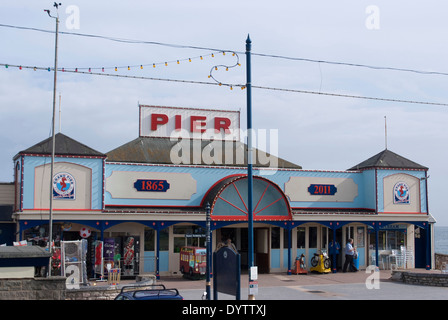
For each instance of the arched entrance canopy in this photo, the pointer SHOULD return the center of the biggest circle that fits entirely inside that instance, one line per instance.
(228, 200)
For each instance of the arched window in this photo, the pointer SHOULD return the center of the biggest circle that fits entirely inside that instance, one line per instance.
(229, 200)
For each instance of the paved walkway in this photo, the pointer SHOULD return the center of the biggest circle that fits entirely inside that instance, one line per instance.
(332, 286)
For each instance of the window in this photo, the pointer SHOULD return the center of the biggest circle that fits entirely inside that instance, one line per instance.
(324, 232)
(150, 239)
(275, 238)
(164, 237)
(312, 237)
(301, 238)
(178, 243)
(285, 238)
(195, 236)
(388, 240)
(360, 237)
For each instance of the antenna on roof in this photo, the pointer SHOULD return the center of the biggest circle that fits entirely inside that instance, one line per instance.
(385, 131)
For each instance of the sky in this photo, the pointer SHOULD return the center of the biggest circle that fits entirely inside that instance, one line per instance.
(316, 131)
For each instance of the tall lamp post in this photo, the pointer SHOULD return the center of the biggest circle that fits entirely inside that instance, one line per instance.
(50, 218)
(249, 167)
(208, 252)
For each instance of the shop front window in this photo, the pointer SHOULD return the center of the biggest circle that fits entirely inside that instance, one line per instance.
(190, 235)
(388, 239)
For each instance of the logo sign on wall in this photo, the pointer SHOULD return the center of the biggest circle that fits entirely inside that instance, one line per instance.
(401, 193)
(63, 186)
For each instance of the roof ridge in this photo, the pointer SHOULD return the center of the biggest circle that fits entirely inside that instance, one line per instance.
(388, 159)
(157, 150)
(64, 145)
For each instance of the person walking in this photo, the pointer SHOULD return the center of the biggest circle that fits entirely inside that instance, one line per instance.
(349, 253)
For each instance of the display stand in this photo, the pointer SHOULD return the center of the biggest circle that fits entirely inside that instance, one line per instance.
(114, 276)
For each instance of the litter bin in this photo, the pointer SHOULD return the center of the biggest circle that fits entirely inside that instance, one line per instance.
(356, 262)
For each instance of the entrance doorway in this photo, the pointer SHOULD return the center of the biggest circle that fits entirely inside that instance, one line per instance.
(341, 250)
(240, 237)
(261, 249)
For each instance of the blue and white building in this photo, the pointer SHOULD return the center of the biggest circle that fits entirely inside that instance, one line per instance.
(147, 198)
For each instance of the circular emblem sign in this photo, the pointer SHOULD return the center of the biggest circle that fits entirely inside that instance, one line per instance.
(401, 193)
(63, 186)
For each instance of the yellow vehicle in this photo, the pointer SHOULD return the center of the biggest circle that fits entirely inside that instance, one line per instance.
(321, 262)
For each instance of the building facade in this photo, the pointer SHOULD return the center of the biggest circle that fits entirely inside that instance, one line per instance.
(147, 198)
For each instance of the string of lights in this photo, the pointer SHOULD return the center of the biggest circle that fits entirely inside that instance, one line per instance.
(20, 67)
(122, 40)
(215, 68)
(155, 64)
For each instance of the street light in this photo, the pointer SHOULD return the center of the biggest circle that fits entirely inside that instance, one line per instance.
(208, 251)
(50, 218)
(249, 168)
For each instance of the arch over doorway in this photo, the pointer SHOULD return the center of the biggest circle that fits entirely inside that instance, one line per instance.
(228, 200)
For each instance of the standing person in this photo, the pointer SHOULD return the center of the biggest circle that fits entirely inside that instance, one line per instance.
(231, 245)
(349, 252)
(334, 253)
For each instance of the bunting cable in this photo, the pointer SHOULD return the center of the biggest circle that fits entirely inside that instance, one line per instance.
(236, 85)
(221, 50)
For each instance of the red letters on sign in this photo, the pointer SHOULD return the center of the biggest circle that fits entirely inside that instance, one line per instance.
(197, 123)
(222, 123)
(178, 120)
(157, 119)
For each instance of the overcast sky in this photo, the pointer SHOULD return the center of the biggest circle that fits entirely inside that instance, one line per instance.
(316, 131)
